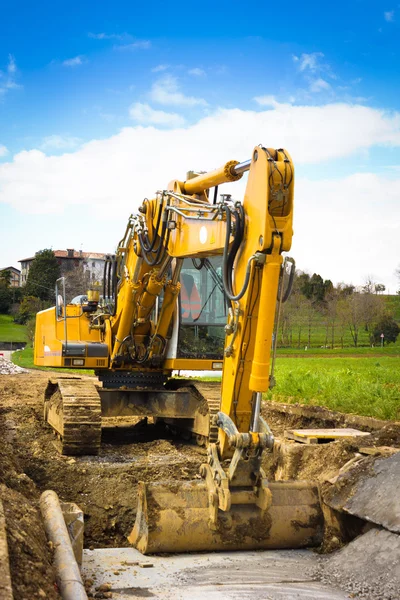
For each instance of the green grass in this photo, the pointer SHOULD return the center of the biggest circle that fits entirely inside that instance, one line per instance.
(24, 358)
(366, 351)
(10, 331)
(363, 386)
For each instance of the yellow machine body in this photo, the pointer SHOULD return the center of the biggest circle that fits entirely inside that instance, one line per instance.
(130, 337)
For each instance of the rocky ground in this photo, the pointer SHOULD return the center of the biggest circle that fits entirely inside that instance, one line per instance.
(105, 486)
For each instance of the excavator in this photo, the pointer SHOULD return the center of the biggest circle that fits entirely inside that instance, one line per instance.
(197, 283)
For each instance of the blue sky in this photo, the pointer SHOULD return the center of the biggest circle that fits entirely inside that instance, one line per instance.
(102, 103)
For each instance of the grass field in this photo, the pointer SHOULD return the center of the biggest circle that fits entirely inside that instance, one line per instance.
(358, 382)
(362, 385)
(24, 358)
(10, 331)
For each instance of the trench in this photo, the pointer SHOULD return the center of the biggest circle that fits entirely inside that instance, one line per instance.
(105, 486)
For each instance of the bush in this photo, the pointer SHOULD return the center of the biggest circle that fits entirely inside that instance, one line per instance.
(28, 308)
(388, 326)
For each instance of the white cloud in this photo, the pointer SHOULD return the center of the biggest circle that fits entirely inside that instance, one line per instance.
(362, 209)
(137, 45)
(197, 72)
(309, 61)
(3, 151)
(389, 16)
(319, 85)
(74, 62)
(8, 78)
(59, 142)
(159, 68)
(145, 115)
(267, 100)
(167, 91)
(11, 67)
(107, 36)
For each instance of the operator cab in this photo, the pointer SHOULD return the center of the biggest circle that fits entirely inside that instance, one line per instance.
(203, 310)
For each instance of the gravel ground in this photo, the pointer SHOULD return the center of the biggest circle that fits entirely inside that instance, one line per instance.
(8, 368)
(368, 568)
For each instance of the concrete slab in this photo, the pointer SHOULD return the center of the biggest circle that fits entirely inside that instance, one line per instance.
(263, 575)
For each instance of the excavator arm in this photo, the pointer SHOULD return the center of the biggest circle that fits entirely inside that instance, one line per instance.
(234, 506)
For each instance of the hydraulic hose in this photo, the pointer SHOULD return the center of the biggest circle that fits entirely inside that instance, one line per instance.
(229, 256)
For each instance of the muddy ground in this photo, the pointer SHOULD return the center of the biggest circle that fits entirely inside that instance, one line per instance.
(105, 486)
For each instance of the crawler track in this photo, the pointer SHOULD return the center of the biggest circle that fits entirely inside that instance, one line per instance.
(73, 408)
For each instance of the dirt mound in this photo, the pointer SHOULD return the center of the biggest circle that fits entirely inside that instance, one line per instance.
(369, 567)
(32, 574)
(104, 486)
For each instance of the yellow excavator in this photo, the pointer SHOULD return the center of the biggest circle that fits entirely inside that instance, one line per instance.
(196, 284)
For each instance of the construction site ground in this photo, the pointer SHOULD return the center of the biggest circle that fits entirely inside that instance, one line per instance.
(362, 561)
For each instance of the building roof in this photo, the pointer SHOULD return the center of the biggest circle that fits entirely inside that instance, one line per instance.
(9, 269)
(76, 254)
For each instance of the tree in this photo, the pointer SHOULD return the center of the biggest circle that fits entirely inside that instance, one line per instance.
(390, 329)
(77, 282)
(314, 288)
(5, 297)
(5, 277)
(42, 276)
(29, 306)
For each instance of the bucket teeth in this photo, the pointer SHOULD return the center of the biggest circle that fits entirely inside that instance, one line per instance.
(175, 517)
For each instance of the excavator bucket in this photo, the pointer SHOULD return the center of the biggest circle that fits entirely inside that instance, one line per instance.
(175, 517)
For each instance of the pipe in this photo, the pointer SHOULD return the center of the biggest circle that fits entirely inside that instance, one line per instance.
(241, 168)
(256, 412)
(68, 576)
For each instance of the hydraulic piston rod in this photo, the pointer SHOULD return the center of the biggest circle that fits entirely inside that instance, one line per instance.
(231, 171)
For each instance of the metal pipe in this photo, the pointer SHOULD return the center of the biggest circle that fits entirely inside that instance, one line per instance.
(177, 270)
(163, 267)
(68, 576)
(256, 412)
(241, 168)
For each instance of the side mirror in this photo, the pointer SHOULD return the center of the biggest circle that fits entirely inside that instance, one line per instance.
(59, 305)
(60, 298)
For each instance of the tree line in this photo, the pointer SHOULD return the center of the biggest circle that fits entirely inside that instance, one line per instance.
(321, 314)
(316, 314)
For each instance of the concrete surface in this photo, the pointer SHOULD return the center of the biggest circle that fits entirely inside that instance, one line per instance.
(263, 575)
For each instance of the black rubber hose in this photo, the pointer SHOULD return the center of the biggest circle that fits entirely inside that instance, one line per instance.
(162, 247)
(229, 256)
(145, 240)
(114, 285)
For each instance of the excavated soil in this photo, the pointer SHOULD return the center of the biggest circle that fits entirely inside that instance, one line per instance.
(105, 486)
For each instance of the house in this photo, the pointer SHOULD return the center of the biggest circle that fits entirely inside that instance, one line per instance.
(70, 259)
(15, 275)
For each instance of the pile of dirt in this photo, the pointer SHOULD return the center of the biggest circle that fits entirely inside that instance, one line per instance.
(32, 574)
(104, 486)
(8, 368)
(368, 567)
